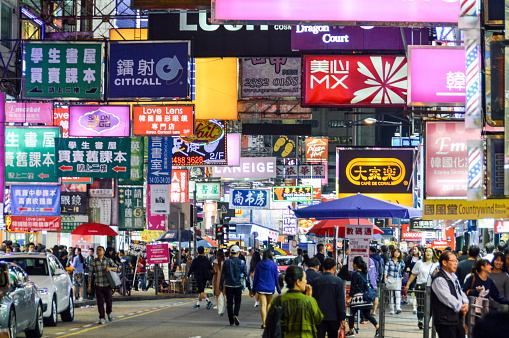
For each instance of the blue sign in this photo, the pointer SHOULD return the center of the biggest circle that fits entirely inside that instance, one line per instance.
(149, 70)
(388, 231)
(249, 199)
(29, 200)
(159, 160)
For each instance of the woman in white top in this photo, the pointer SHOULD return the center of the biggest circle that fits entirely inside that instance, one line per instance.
(423, 270)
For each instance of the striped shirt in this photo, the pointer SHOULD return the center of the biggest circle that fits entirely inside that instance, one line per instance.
(394, 269)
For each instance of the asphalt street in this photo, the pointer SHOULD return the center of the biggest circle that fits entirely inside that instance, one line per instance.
(160, 318)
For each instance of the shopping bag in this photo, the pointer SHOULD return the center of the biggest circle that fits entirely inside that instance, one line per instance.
(113, 278)
(342, 332)
(221, 305)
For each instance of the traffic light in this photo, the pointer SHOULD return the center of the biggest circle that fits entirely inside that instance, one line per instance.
(198, 212)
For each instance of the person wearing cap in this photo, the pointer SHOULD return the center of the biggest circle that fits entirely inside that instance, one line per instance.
(234, 270)
(312, 272)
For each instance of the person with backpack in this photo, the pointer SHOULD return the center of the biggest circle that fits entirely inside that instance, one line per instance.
(298, 260)
(379, 274)
(202, 270)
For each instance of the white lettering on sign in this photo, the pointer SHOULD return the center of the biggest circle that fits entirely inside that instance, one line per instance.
(204, 25)
(312, 29)
(250, 167)
(446, 146)
(327, 38)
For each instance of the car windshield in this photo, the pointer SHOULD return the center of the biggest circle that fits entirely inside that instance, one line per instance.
(32, 266)
(284, 261)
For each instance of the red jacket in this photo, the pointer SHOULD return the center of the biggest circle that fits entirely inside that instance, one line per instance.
(142, 266)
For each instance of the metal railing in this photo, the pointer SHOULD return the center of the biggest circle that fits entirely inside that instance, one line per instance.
(477, 308)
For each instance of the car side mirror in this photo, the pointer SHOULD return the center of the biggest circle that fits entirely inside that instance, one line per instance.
(59, 272)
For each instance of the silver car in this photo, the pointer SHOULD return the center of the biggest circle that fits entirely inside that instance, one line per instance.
(21, 306)
(53, 282)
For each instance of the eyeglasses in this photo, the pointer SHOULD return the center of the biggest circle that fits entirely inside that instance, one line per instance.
(450, 260)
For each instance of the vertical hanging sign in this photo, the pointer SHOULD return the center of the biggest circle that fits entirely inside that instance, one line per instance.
(131, 215)
(159, 160)
(136, 174)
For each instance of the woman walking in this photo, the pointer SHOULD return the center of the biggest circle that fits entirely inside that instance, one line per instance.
(359, 285)
(393, 277)
(300, 313)
(265, 282)
(252, 268)
(218, 268)
(480, 281)
(414, 256)
(501, 279)
(421, 274)
(78, 265)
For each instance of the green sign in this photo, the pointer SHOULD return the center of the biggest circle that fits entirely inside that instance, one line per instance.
(136, 175)
(208, 191)
(71, 222)
(30, 154)
(292, 194)
(131, 214)
(63, 70)
(93, 157)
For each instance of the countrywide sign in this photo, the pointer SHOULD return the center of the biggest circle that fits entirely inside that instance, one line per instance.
(99, 121)
(354, 80)
(436, 76)
(278, 11)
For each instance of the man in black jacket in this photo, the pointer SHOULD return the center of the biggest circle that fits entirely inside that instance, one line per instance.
(320, 255)
(312, 272)
(449, 304)
(202, 271)
(329, 294)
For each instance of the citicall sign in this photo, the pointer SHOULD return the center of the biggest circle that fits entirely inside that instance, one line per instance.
(407, 235)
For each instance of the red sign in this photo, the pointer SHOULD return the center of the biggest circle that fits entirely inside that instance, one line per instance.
(163, 120)
(440, 245)
(317, 194)
(317, 149)
(61, 119)
(29, 223)
(179, 191)
(158, 254)
(446, 158)
(78, 180)
(501, 227)
(409, 235)
(355, 80)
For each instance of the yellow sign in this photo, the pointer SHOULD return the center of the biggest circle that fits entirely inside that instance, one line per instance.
(403, 199)
(150, 235)
(461, 209)
(128, 34)
(376, 171)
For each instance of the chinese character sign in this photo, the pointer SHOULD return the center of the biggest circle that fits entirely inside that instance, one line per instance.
(61, 119)
(98, 121)
(179, 191)
(354, 80)
(30, 154)
(163, 120)
(159, 199)
(71, 222)
(159, 160)
(154, 221)
(437, 76)
(446, 158)
(190, 153)
(249, 199)
(158, 254)
(94, 157)
(28, 112)
(136, 176)
(28, 200)
(100, 210)
(270, 77)
(73, 203)
(317, 149)
(290, 223)
(293, 194)
(208, 191)
(63, 70)
(149, 70)
(28, 224)
(131, 215)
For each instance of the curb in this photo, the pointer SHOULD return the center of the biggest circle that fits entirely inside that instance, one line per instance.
(136, 298)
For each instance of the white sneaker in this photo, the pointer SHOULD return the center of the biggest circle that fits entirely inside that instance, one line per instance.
(80, 299)
(256, 304)
(415, 311)
(392, 312)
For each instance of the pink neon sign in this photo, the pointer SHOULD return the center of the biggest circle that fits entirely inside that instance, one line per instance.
(273, 11)
(436, 76)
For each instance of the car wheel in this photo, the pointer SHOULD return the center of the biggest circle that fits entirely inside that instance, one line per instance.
(68, 315)
(39, 325)
(53, 319)
(13, 330)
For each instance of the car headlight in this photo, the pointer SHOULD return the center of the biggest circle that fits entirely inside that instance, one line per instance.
(43, 291)
(4, 306)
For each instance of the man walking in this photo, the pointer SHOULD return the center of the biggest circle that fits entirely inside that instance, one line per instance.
(312, 272)
(88, 277)
(234, 270)
(465, 266)
(449, 304)
(298, 260)
(98, 275)
(202, 270)
(320, 255)
(329, 294)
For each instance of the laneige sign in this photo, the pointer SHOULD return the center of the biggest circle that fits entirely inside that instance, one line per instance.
(250, 167)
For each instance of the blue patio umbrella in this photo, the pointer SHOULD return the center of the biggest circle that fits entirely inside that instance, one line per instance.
(358, 206)
(172, 236)
(199, 243)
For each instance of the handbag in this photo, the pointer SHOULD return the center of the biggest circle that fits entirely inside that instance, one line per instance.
(342, 332)
(273, 321)
(221, 305)
(358, 303)
(370, 294)
(113, 278)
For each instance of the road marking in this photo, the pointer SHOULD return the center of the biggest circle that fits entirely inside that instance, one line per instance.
(139, 312)
(121, 316)
(133, 316)
(87, 325)
(74, 329)
(132, 313)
